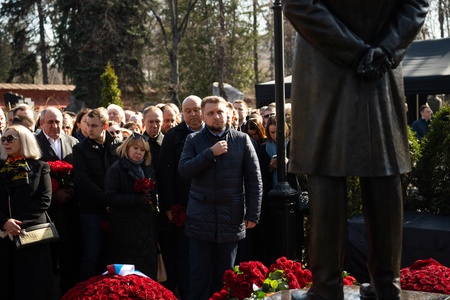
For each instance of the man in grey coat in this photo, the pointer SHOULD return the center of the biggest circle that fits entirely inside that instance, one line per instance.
(348, 102)
(218, 161)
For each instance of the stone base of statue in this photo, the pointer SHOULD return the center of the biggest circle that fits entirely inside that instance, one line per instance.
(352, 293)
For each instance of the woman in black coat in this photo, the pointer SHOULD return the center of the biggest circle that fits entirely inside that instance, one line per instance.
(25, 195)
(268, 164)
(132, 206)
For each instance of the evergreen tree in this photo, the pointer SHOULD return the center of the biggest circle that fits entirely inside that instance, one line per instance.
(110, 89)
(433, 168)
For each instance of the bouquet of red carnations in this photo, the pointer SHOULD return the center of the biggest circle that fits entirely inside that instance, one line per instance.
(61, 174)
(178, 214)
(252, 280)
(147, 186)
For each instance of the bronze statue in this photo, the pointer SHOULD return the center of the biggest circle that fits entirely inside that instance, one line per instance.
(348, 99)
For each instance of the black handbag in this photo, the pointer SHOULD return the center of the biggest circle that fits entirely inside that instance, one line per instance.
(36, 234)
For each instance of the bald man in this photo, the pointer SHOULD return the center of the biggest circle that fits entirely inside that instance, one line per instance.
(173, 242)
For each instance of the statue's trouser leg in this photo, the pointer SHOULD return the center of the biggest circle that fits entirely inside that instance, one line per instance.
(383, 213)
(328, 201)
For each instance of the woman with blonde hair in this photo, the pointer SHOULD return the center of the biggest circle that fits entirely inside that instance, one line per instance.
(131, 196)
(25, 195)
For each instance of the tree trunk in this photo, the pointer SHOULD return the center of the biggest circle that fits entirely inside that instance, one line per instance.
(42, 44)
(255, 40)
(221, 50)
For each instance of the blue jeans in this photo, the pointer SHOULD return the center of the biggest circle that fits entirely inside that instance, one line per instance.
(208, 262)
(94, 248)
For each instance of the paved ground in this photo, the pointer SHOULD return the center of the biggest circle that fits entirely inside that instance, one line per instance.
(352, 293)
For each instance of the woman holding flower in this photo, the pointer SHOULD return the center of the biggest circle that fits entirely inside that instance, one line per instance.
(131, 196)
(25, 195)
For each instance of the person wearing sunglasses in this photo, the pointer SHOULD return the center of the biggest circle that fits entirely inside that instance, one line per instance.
(67, 123)
(131, 196)
(25, 195)
(269, 112)
(114, 129)
(91, 159)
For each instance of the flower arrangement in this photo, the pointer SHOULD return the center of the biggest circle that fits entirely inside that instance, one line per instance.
(147, 186)
(178, 214)
(239, 282)
(426, 275)
(253, 280)
(61, 174)
(133, 285)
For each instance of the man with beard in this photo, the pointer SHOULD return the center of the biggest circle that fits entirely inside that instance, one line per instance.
(218, 161)
(172, 240)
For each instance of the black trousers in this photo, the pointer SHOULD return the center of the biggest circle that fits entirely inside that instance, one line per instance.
(383, 212)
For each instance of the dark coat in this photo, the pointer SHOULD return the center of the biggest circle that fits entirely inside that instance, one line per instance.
(155, 146)
(28, 204)
(66, 215)
(345, 124)
(90, 165)
(218, 203)
(48, 154)
(172, 188)
(133, 226)
(420, 127)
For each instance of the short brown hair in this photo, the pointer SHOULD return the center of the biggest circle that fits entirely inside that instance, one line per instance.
(101, 114)
(212, 99)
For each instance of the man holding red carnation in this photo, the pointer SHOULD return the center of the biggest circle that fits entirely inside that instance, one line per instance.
(55, 145)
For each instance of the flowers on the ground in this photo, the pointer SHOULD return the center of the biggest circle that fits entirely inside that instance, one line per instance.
(110, 286)
(178, 214)
(61, 174)
(238, 283)
(348, 280)
(147, 186)
(426, 275)
(253, 280)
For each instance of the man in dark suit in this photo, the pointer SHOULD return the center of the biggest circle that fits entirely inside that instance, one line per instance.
(55, 145)
(173, 190)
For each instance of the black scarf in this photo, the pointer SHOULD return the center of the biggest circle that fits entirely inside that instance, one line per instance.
(134, 168)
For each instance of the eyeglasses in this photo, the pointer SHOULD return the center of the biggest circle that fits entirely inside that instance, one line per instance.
(10, 138)
(268, 116)
(136, 135)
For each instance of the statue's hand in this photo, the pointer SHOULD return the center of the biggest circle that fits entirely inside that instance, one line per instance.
(374, 64)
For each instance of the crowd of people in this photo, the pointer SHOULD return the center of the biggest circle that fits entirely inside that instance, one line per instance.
(190, 184)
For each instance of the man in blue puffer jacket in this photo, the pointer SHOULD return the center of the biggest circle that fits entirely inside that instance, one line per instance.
(218, 160)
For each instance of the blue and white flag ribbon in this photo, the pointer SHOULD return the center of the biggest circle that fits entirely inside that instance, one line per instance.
(123, 270)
